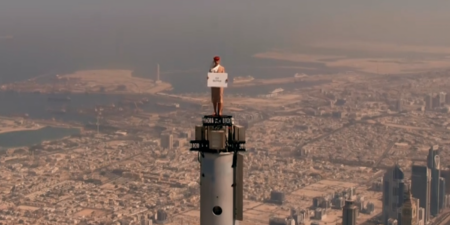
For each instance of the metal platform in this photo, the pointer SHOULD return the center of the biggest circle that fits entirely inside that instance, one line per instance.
(218, 120)
(231, 146)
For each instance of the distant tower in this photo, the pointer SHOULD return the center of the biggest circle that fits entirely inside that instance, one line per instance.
(421, 188)
(442, 98)
(429, 102)
(393, 188)
(143, 220)
(409, 209)
(442, 197)
(349, 213)
(433, 163)
(157, 73)
(98, 123)
(399, 104)
(167, 141)
(161, 217)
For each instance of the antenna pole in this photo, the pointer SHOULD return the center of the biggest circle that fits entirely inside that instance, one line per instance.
(157, 72)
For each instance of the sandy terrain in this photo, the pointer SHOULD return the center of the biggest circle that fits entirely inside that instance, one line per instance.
(90, 213)
(276, 101)
(259, 82)
(14, 129)
(378, 47)
(89, 81)
(375, 61)
(114, 81)
(236, 102)
(27, 208)
(293, 57)
(8, 125)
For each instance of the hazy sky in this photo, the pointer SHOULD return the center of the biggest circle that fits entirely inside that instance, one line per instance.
(94, 32)
(276, 22)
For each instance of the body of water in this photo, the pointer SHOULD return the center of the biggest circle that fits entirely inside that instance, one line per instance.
(28, 56)
(195, 81)
(38, 106)
(32, 137)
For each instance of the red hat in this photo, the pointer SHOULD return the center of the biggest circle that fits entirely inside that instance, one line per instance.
(216, 58)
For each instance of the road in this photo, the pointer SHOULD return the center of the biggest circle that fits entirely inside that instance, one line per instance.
(385, 153)
(345, 126)
(415, 128)
(444, 219)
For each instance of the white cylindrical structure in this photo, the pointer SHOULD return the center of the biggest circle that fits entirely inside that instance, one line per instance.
(216, 190)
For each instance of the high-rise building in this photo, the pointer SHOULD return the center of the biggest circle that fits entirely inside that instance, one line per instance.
(436, 101)
(392, 222)
(300, 217)
(399, 105)
(393, 191)
(167, 141)
(442, 98)
(161, 217)
(277, 197)
(278, 221)
(144, 220)
(433, 163)
(417, 202)
(421, 216)
(421, 187)
(446, 175)
(429, 102)
(349, 213)
(409, 210)
(442, 197)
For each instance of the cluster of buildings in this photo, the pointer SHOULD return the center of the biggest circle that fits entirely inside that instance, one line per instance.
(345, 201)
(437, 101)
(315, 156)
(98, 178)
(415, 201)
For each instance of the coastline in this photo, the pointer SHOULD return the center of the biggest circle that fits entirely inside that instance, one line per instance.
(18, 129)
(108, 82)
(11, 140)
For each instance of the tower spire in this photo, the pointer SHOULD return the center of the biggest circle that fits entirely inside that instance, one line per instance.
(157, 72)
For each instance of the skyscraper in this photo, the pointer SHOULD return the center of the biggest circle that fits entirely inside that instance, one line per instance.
(278, 221)
(429, 102)
(349, 213)
(442, 98)
(144, 220)
(409, 209)
(167, 141)
(392, 222)
(442, 199)
(421, 187)
(433, 163)
(399, 105)
(446, 175)
(393, 190)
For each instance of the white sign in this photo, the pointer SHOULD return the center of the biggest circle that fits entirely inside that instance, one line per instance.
(217, 79)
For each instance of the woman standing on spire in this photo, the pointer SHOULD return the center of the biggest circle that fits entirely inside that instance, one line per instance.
(217, 92)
